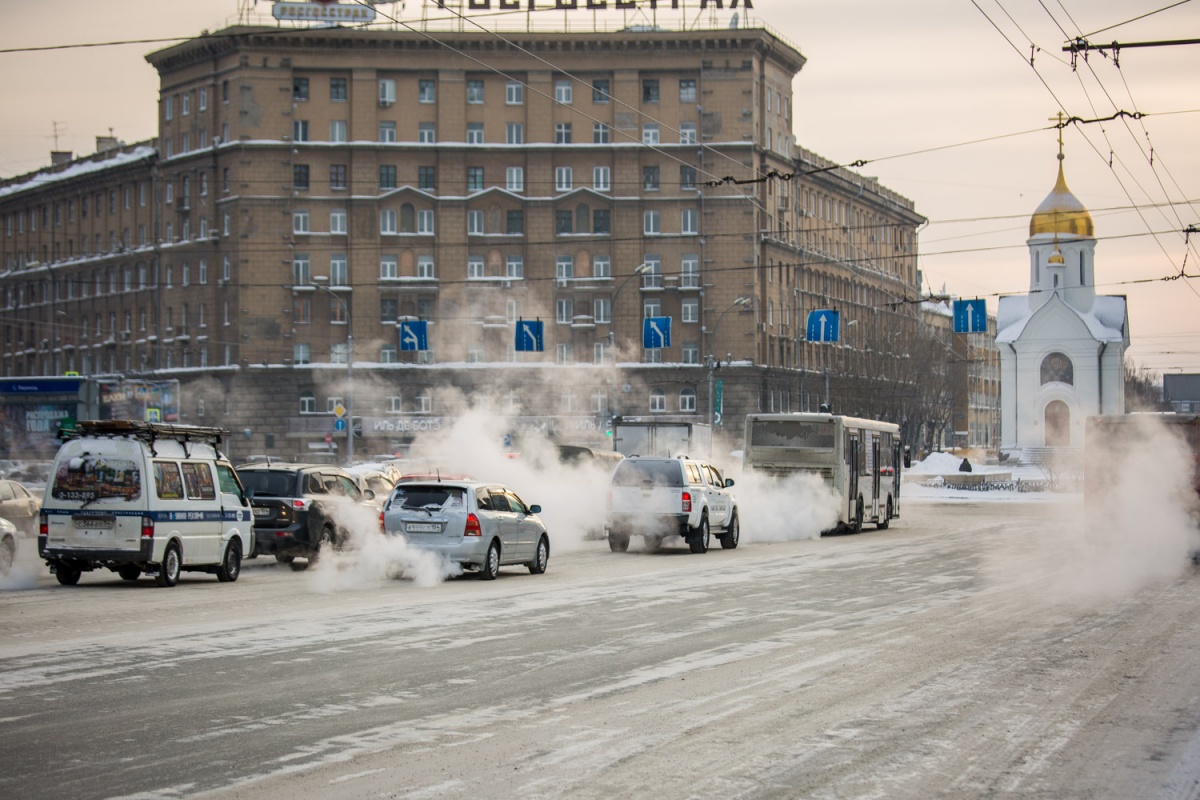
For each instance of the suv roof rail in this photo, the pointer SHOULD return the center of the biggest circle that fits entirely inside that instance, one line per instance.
(146, 431)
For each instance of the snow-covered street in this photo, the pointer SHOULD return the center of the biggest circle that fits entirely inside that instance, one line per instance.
(975, 649)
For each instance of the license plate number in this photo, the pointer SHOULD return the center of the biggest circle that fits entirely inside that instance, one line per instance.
(262, 512)
(422, 527)
(93, 524)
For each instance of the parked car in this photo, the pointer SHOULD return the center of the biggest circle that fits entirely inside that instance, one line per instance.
(8, 545)
(378, 481)
(657, 498)
(19, 506)
(482, 526)
(302, 509)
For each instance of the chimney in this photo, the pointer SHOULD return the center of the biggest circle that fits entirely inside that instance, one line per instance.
(105, 143)
(60, 157)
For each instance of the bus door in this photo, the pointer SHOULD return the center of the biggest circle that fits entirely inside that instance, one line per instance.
(852, 469)
(897, 463)
(876, 464)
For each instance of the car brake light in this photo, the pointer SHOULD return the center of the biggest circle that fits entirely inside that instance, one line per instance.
(301, 503)
(382, 527)
(147, 528)
(687, 502)
(43, 525)
(473, 528)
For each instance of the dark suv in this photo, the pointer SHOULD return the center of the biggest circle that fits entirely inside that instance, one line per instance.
(300, 509)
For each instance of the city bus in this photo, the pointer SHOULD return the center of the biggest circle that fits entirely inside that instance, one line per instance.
(858, 458)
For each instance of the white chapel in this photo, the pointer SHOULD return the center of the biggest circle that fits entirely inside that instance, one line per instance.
(1062, 346)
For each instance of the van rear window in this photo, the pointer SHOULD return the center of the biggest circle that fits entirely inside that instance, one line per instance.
(90, 478)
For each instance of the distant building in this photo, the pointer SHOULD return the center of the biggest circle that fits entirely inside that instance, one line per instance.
(1182, 392)
(1062, 346)
(309, 189)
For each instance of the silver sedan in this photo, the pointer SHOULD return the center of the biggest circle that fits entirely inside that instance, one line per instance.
(482, 526)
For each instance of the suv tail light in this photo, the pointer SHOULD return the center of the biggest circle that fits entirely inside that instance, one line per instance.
(687, 502)
(147, 528)
(301, 503)
(473, 528)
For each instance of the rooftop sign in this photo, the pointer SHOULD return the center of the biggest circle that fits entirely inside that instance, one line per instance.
(323, 12)
(591, 5)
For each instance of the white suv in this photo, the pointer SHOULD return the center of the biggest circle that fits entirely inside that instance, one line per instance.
(660, 497)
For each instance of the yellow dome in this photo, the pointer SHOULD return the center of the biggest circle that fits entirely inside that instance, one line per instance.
(1061, 212)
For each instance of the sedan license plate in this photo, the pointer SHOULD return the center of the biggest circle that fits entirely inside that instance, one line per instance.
(94, 523)
(422, 527)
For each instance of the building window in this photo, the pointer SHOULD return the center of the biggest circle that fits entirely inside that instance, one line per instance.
(300, 176)
(689, 269)
(514, 133)
(475, 267)
(387, 355)
(514, 93)
(602, 266)
(301, 310)
(563, 310)
(600, 90)
(299, 130)
(474, 222)
(689, 221)
(337, 130)
(474, 133)
(687, 133)
(562, 133)
(425, 221)
(514, 179)
(300, 221)
(1057, 368)
(302, 354)
(650, 91)
(427, 178)
(650, 133)
(602, 310)
(658, 400)
(388, 269)
(650, 182)
(562, 92)
(687, 177)
(515, 222)
(339, 273)
(514, 267)
(425, 267)
(308, 401)
(168, 109)
(687, 90)
(426, 91)
(563, 179)
(690, 310)
(387, 92)
(300, 89)
(601, 178)
(337, 89)
(564, 267)
(387, 131)
(337, 176)
(475, 92)
(601, 221)
(600, 133)
(474, 179)
(389, 309)
(387, 176)
(563, 222)
(301, 271)
(687, 400)
(387, 220)
(426, 133)
(337, 220)
(651, 223)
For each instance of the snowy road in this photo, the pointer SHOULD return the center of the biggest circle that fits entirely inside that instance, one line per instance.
(969, 651)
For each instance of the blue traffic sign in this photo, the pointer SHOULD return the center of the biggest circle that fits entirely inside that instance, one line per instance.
(656, 333)
(414, 335)
(823, 326)
(339, 424)
(970, 316)
(529, 336)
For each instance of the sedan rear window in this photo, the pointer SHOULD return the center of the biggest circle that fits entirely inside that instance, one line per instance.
(632, 472)
(428, 497)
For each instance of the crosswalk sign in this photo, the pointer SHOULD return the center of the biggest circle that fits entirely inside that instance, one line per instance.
(414, 335)
(823, 325)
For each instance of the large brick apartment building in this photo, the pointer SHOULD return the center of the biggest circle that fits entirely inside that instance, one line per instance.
(310, 188)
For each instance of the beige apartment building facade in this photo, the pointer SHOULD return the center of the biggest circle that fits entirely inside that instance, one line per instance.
(309, 190)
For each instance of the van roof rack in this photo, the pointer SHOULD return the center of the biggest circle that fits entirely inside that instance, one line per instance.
(146, 431)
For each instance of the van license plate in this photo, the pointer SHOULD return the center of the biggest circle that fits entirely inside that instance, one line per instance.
(93, 523)
(422, 527)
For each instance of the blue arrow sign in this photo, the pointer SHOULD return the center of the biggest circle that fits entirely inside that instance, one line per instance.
(414, 335)
(339, 424)
(970, 316)
(656, 333)
(529, 336)
(823, 326)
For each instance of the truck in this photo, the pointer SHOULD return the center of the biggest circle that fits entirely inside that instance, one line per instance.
(665, 436)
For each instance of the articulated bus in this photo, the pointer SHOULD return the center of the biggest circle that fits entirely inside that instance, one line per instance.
(858, 458)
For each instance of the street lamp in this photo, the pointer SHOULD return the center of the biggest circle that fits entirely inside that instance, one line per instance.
(640, 269)
(709, 360)
(321, 282)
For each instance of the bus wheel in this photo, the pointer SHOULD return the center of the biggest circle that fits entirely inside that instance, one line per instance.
(883, 523)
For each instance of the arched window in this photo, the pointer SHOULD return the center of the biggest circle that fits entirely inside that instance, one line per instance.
(687, 400)
(1057, 368)
(658, 400)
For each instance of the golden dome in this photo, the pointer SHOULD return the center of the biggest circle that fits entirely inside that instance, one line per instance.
(1061, 212)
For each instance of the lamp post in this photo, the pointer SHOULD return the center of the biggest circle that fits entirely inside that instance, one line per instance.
(321, 282)
(640, 269)
(709, 360)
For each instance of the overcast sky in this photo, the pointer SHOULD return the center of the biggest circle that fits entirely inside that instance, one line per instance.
(907, 85)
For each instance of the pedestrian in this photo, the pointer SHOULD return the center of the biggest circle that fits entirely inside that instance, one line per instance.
(965, 466)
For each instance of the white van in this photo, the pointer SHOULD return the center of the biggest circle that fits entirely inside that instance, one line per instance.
(139, 497)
